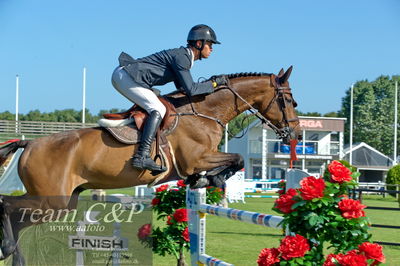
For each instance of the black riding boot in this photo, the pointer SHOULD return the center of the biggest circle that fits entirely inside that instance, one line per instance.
(142, 159)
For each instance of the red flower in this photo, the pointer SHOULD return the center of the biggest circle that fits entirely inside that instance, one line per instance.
(293, 247)
(144, 232)
(339, 172)
(285, 201)
(155, 201)
(332, 259)
(185, 234)
(372, 251)
(268, 256)
(351, 208)
(312, 188)
(162, 188)
(181, 215)
(169, 220)
(181, 183)
(353, 259)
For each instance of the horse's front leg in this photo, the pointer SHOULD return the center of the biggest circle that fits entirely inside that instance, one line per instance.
(221, 167)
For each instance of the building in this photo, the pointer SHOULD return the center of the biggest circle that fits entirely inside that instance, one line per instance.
(371, 163)
(266, 157)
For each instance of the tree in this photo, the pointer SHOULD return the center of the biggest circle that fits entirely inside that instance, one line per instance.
(373, 113)
(315, 114)
(236, 125)
(331, 114)
(7, 116)
(393, 178)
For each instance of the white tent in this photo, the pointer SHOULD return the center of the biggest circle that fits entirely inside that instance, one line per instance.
(10, 180)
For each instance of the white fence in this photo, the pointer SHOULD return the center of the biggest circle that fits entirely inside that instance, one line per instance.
(36, 128)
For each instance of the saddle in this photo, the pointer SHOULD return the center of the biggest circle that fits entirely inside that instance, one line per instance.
(129, 124)
(140, 115)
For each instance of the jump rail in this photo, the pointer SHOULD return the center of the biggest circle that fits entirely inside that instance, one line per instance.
(197, 210)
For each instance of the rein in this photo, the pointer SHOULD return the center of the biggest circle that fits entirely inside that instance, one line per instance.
(282, 133)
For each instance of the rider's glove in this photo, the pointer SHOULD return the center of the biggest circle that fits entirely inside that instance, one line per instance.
(219, 81)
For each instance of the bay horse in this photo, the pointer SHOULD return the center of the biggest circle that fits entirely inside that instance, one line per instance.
(66, 163)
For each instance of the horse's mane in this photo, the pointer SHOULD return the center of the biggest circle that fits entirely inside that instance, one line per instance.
(178, 98)
(240, 75)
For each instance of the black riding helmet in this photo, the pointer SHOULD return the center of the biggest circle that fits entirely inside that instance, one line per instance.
(201, 33)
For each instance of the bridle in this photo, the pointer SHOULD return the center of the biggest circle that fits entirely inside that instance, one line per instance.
(279, 96)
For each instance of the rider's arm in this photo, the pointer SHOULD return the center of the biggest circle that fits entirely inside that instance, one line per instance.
(181, 68)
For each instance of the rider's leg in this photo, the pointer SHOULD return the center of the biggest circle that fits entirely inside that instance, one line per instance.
(142, 159)
(146, 99)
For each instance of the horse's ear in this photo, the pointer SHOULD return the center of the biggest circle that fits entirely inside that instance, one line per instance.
(281, 73)
(286, 76)
(273, 80)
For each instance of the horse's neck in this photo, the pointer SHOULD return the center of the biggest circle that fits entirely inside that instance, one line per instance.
(225, 105)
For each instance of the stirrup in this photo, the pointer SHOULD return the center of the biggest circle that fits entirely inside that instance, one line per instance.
(146, 163)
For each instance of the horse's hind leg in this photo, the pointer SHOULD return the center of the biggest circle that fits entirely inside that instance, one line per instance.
(9, 238)
(16, 214)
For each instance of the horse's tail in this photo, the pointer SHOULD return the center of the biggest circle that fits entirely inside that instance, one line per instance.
(9, 149)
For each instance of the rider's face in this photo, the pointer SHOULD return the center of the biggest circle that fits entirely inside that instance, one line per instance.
(206, 52)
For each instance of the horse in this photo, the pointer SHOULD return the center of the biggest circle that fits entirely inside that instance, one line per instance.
(64, 164)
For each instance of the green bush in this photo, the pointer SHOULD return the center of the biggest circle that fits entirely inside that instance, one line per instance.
(17, 193)
(393, 177)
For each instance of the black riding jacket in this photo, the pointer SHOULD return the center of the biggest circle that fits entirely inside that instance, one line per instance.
(163, 67)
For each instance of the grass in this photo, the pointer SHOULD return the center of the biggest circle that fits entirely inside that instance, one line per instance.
(240, 243)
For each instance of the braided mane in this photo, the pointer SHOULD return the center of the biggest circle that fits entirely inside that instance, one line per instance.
(240, 75)
(247, 74)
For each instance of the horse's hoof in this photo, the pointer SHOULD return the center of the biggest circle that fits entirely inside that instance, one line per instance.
(18, 260)
(217, 181)
(7, 248)
(200, 183)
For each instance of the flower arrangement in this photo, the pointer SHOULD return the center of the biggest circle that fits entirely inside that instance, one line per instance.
(169, 204)
(318, 213)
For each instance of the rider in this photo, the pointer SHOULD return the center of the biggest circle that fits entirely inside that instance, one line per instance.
(134, 78)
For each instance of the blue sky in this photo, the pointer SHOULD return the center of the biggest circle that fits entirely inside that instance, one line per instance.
(331, 45)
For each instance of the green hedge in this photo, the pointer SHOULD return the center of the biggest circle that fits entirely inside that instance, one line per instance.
(393, 177)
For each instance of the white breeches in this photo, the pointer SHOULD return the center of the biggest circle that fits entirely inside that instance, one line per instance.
(143, 97)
